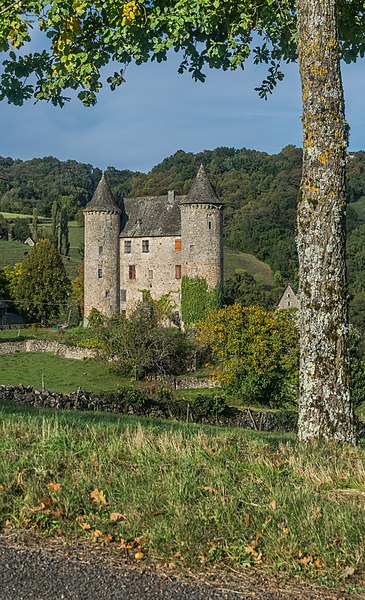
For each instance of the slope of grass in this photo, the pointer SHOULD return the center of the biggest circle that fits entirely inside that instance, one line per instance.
(12, 251)
(238, 260)
(359, 207)
(190, 494)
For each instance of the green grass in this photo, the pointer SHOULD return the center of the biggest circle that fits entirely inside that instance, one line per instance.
(359, 207)
(193, 494)
(238, 260)
(12, 251)
(58, 374)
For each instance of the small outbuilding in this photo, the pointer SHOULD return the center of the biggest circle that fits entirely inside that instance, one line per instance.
(288, 299)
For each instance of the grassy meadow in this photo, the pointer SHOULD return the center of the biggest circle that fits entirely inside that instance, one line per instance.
(190, 494)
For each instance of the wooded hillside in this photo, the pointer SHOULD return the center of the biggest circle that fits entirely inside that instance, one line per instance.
(259, 191)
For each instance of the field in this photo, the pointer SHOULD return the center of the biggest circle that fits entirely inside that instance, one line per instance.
(12, 251)
(189, 494)
(238, 260)
(58, 374)
(359, 207)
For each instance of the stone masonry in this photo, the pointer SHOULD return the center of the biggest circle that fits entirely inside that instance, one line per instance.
(148, 244)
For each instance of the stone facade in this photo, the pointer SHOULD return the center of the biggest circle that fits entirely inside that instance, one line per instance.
(148, 244)
(288, 299)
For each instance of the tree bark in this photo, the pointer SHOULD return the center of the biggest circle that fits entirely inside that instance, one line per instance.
(325, 409)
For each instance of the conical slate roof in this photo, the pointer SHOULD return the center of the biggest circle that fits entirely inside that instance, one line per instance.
(201, 191)
(102, 199)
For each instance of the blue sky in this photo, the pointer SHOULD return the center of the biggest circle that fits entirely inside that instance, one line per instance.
(157, 112)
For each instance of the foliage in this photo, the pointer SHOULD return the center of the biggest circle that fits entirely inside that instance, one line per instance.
(77, 286)
(242, 288)
(143, 346)
(197, 300)
(255, 352)
(42, 286)
(95, 318)
(4, 231)
(20, 230)
(86, 35)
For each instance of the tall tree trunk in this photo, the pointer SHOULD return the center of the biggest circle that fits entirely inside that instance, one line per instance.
(325, 410)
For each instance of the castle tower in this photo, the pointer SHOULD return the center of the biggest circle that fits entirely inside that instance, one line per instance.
(202, 232)
(101, 271)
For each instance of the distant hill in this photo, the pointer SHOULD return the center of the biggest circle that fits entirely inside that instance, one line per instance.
(259, 191)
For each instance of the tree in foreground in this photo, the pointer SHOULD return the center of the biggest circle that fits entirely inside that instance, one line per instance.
(42, 286)
(85, 35)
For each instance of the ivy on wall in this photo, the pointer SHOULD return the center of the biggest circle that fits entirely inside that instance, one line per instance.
(197, 300)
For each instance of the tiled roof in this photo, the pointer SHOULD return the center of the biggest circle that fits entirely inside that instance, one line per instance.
(102, 199)
(201, 191)
(151, 216)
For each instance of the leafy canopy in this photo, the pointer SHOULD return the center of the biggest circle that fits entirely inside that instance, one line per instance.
(82, 36)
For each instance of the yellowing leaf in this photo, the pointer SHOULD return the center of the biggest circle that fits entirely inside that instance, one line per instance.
(272, 505)
(139, 555)
(116, 516)
(54, 487)
(96, 535)
(98, 497)
(318, 562)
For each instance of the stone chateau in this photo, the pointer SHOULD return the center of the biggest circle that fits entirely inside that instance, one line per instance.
(150, 243)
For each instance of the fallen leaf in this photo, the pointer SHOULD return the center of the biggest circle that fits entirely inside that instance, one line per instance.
(116, 516)
(139, 555)
(247, 519)
(318, 562)
(54, 487)
(84, 525)
(107, 538)
(46, 502)
(272, 505)
(98, 497)
(349, 571)
(318, 512)
(209, 490)
(96, 534)
(20, 478)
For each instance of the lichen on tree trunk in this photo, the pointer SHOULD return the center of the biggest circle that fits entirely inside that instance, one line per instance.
(325, 409)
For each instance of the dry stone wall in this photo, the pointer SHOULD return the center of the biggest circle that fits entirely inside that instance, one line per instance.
(45, 346)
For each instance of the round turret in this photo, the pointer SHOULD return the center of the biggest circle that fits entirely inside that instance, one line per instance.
(101, 253)
(202, 232)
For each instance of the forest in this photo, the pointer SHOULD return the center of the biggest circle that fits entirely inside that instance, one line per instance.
(259, 192)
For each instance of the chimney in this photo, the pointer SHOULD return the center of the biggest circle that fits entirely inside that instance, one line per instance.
(171, 196)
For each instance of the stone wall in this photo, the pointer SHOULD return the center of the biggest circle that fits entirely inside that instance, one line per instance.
(154, 270)
(183, 410)
(45, 346)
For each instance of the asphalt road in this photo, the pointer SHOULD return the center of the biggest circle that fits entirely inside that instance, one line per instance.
(46, 571)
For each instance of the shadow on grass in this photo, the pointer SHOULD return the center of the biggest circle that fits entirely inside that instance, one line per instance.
(75, 419)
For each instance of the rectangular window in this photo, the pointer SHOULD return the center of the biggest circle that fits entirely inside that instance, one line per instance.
(178, 245)
(107, 294)
(100, 273)
(127, 246)
(191, 248)
(209, 224)
(132, 271)
(150, 274)
(123, 295)
(100, 251)
(177, 271)
(145, 246)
